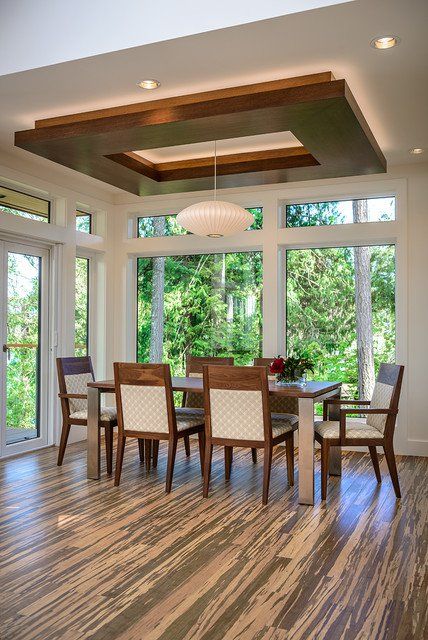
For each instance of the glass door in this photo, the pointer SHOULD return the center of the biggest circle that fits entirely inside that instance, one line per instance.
(24, 339)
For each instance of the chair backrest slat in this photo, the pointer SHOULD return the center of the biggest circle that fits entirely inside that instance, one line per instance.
(237, 403)
(194, 368)
(278, 404)
(386, 395)
(144, 397)
(73, 376)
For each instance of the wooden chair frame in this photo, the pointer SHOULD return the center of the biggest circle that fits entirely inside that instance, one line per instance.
(247, 379)
(151, 375)
(194, 364)
(75, 366)
(390, 374)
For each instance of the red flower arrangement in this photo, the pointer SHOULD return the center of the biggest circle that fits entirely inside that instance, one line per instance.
(290, 369)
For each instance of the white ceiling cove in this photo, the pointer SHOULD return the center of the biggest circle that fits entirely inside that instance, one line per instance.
(282, 140)
(390, 86)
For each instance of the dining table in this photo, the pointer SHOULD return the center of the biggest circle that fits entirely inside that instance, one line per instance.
(309, 394)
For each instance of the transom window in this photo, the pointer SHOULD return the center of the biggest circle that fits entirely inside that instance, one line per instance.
(24, 205)
(313, 214)
(159, 226)
(83, 221)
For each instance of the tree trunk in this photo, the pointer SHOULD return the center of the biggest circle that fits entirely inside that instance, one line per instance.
(158, 290)
(363, 308)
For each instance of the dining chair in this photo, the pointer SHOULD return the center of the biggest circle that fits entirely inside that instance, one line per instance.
(194, 366)
(73, 376)
(145, 409)
(237, 414)
(376, 431)
(277, 403)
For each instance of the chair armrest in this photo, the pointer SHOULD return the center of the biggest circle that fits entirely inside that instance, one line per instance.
(345, 401)
(339, 401)
(345, 412)
(73, 395)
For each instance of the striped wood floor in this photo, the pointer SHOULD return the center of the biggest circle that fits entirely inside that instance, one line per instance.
(81, 559)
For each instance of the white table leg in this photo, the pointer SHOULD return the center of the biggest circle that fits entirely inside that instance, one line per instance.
(93, 441)
(335, 457)
(306, 451)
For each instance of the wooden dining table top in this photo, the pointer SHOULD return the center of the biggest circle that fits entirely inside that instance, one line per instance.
(312, 389)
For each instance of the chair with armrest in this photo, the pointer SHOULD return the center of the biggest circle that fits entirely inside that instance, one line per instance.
(145, 410)
(194, 366)
(376, 431)
(237, 414)
(73, 377)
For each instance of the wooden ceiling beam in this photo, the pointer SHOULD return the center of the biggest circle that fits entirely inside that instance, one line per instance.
(320, 111)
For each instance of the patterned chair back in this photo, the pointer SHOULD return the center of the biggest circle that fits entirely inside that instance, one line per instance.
(73, 376)
(278, 404)
(194, 366)
(386, 395)
(237, 403)
(144, 397)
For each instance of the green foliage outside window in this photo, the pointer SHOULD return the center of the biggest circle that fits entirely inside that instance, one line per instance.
(24, 214)
(146, 227)
(212, 307)
(23, 283)
(81, 313)
(321, 314)
(83, 222)
(315, 214)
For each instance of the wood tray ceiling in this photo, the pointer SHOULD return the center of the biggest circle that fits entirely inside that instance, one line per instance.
(319, 110)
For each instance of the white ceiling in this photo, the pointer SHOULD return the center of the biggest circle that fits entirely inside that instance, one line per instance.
(390, 86)
(59, 31)
(282, 140)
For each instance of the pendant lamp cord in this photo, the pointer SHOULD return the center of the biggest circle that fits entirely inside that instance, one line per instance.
(215, 169)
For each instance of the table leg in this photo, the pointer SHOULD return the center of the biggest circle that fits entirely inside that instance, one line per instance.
(306, 451)
(335, 457)
(93, 441)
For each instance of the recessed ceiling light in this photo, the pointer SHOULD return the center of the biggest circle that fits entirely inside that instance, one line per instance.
(385, 42)
(148, 84)
(416, 151)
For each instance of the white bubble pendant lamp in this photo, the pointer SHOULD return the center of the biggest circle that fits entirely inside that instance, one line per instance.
(215, 218)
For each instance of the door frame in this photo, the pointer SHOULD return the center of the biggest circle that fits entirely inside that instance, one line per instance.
(43, 440)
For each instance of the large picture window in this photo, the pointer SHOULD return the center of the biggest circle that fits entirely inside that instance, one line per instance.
(341, 311)
(204, 305)
(81, 316)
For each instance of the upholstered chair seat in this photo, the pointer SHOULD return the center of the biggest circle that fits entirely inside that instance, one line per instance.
(188, 417)
(330, 429)
(283, 423)
(107, 414)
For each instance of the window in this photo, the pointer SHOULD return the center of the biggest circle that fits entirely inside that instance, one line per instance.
(204, 305)
(24, 205)
(341, 312)
(258, 218)
(81, 313)
(83, 221)
(313, 214)
(157, 226)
